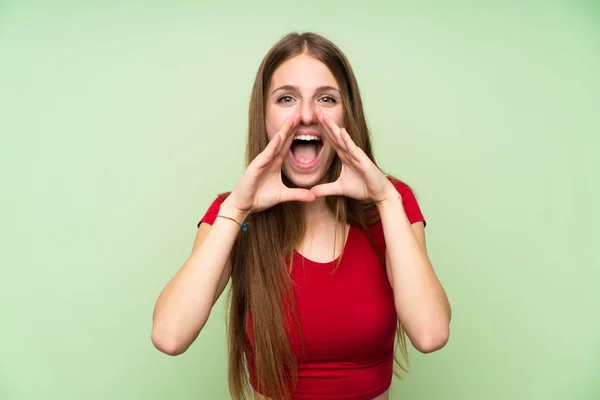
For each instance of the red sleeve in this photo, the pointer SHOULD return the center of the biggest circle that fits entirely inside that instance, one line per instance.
(211, 214)
(411, 206)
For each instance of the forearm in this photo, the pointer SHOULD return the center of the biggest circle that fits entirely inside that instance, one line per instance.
(420, 300)
(184, 305)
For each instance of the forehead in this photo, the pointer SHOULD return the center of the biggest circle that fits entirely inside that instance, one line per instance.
(304, 72)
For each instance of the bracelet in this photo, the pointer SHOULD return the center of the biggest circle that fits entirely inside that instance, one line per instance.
(243, 225)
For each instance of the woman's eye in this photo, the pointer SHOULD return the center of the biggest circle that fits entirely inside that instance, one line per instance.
(328, 99)
(285, 99)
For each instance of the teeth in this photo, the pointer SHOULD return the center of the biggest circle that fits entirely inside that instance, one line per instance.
(306, 137)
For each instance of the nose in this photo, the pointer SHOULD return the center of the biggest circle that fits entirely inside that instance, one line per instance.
(308, 114)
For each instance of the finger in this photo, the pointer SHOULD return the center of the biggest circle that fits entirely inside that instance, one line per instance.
(287, 133)
(331, 140)
(334, 129)
(277, 143)
(328, 135)
(285, 146)
(304, 195)
(335, 143)
(289, 126)
(267, 155)
(327, 189)
(353, 150)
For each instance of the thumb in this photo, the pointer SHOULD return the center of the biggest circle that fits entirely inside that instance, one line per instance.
(297, 195)
(327, 189)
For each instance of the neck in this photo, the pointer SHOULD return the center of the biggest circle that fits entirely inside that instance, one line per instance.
(318, 216)
(316, 210)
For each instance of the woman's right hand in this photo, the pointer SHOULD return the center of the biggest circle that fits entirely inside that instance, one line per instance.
(261, 186)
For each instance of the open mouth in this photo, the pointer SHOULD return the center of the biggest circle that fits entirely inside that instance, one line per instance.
(305, 149)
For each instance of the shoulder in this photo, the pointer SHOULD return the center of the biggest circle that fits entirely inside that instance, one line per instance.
(401, 186)
(213, 209)
(409, 200)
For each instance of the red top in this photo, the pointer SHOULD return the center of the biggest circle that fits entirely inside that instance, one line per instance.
(348, 318)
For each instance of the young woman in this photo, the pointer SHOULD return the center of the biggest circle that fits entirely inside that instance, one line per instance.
(326, 254)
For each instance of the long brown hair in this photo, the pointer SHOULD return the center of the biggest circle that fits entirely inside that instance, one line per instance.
(261, 286)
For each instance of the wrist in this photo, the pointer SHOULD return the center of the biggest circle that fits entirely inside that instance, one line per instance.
(391, 198)
(230, 210)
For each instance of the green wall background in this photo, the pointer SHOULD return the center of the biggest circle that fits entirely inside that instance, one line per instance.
(121, 120)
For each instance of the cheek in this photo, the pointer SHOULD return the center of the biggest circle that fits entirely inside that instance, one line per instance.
(338, 117)
(270, 125)
(275, 118)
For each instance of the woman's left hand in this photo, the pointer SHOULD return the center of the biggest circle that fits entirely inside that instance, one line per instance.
(360, 178)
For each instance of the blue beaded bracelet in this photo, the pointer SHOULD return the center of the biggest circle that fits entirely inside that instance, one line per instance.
(243, 225)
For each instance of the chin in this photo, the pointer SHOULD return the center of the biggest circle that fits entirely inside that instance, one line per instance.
(298, 176)
(305, 181)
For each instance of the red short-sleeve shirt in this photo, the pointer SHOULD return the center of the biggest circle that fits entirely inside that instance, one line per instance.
(347, 318)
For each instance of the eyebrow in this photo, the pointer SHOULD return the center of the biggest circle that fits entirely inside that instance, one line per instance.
(295, 88)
